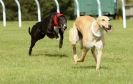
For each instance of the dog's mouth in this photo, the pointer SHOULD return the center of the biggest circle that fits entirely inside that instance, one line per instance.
(63, 28)
(109, 29)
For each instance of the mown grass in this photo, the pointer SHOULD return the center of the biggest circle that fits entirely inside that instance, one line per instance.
(48, 65)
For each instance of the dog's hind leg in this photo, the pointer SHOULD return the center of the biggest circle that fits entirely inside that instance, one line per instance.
(84, 52)
(31, 46)
(81, 44)
(75, 57)
(74, 38)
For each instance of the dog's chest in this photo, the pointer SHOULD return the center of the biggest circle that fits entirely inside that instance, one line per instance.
(95, 43)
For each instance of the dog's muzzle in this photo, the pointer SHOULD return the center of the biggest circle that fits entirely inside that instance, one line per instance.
(63, 28)
(108, 29)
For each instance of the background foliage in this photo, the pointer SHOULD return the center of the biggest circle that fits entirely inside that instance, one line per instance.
(29, 12)
(29, 8)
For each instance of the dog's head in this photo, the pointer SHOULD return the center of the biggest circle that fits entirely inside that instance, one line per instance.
(62, 23)
(104, 22)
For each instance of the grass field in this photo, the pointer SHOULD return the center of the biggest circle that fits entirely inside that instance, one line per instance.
(49, 66)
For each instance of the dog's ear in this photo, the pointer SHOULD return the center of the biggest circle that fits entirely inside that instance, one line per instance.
(98, 20)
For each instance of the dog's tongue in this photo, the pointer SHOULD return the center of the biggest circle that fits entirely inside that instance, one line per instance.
(109, 30)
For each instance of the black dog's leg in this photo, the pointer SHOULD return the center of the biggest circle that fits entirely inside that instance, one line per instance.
(61, 39)
(32, 45)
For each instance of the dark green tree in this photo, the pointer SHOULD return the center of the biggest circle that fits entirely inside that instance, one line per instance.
(29, 9)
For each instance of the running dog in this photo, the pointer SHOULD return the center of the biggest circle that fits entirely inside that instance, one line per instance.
(52, 25)
(90, 33)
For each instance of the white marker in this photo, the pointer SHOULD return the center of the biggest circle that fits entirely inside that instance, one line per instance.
(123, 14)
(77, 7)
(4, 13)
(19, 13)
(38, 10)
(57, 5)
(99, 8)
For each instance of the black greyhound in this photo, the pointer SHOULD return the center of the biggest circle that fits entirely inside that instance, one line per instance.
(51, 26)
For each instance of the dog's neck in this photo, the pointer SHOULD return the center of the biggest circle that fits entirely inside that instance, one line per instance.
(95, 29)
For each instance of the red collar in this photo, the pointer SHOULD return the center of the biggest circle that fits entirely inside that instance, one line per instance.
(55, 19)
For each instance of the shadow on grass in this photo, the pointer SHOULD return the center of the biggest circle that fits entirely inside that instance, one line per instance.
(89, 67)
(55, 55)
(51, 54)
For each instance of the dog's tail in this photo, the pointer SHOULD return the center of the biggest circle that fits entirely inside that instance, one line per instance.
(29, 31)
(73, 35)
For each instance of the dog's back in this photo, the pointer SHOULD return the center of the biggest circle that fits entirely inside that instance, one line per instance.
(82, 23)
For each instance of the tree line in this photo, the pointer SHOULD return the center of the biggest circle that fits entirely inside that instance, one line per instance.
(29, 9)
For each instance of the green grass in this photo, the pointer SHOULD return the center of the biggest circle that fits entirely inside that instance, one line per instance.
(49, 66)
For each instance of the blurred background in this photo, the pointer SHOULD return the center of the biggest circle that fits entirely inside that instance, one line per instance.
(87, 7)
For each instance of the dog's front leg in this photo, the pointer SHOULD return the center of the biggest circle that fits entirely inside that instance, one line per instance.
(99, 54)
(99, 47)
(61, 39)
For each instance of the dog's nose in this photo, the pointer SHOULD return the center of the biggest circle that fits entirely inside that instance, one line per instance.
(65, 27)
(110, 26)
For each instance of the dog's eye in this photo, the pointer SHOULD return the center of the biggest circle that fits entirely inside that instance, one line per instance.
(103, 20)
(109, 19)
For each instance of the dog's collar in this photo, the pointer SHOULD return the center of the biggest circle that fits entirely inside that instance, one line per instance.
(97, 34)
(55, 19)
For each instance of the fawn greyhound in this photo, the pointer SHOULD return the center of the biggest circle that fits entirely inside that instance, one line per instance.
(90, 33)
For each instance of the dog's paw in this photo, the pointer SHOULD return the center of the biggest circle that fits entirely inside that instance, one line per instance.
(97, 68)
(75, 59)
